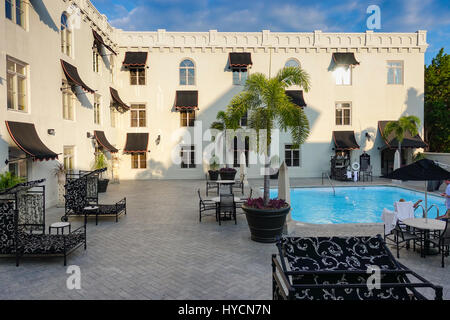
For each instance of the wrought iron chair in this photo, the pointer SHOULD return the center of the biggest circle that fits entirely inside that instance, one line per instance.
(400, 234)
(443, 242)
(211, 185)
(204, 206)
(226, 205)
(366, 173)
(239, 184)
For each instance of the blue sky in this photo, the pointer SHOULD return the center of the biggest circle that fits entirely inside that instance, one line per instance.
(282, 15)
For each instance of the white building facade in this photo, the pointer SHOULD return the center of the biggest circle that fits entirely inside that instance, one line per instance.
(67, 107)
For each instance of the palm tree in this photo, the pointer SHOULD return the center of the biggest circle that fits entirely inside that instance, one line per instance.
(400, 127)
(221, 125)
(267, 105)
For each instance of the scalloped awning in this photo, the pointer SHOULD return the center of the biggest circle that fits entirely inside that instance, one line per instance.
(136, 143)
(345, 58)
(240, 59)
(98, 41)
(186, 100)
(408, 141)
(73, 77)
(296, 97)
(345, 140)
(117, 101)
(135, 59)
(102, 141)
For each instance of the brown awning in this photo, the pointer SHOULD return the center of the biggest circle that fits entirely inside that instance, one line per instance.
(296, 97)
(102, 141)
(117, 102)
(73, 77)
(135, 59)
(186, 100)
(345, 140)
(26, 138)
(98, 41)
(408, 141)
(240, 59)
(344, 58)
(136, 143)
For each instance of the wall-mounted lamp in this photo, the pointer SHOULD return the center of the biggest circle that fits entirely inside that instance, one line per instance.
(51, 132)
(158, 139)
(368, 136)
(89, 135)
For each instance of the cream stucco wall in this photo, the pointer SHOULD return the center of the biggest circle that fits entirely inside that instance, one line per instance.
(39, 47)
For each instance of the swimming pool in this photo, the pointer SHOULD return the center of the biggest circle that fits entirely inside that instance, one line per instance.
(352, 204)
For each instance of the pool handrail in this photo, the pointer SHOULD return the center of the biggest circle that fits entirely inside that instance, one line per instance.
(428, 209)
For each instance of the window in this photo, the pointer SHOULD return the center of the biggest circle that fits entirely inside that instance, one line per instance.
(97, 110)
(187, 118)
(69, 159)
(137, 76)
(395, 72)
(17, 167)
(237, 151)
(187, 157)
(138, 115)
(113, 115)
(15, 11)
(9, 9)
(187, 73)
(343, 113)
(240, 76)
(291, 156)
(292, 63)
(139, 161)
(111, 67)
(16, 83)
(66, 35)
(343, 75)
(244, 120)
(67, 101)
(95, 61)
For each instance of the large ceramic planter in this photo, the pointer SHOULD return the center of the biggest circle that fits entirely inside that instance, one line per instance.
(266, 224)
(102, 185)
(213, 175)
(227, 175)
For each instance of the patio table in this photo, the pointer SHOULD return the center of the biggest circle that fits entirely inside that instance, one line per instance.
(217, 199)
(425, 225)
(226, 182)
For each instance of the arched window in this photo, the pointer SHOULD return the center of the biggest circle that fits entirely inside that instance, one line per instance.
(187, 73)
(66, 35)
(292, 63)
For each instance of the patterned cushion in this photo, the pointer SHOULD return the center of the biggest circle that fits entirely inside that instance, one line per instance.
(341, 254)
(48, 244)
(7, 225)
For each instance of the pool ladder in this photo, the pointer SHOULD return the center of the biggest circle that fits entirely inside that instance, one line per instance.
(429, 208)
(329, 180)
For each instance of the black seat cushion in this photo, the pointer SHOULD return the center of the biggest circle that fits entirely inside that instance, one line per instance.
(48, 243)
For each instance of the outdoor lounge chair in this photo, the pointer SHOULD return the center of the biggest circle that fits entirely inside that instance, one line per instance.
(226, 206)
(336, 268)
(443, 242)
(29, 239)
(205, 206)
(79, 197)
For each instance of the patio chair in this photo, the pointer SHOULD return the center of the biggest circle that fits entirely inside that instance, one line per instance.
(401, 235)
(239, 184)
(205, 206)
(226, 205)
(211, 185)
(443, 242)
(336, 268)
(366, 173)
(404, 210)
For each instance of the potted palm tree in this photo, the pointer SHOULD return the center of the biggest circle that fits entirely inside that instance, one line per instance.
(265, 101)
(100, 163)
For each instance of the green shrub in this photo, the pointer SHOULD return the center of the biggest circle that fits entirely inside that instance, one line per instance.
(9, 180)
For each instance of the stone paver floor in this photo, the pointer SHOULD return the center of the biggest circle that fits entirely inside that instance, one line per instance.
(159, 250)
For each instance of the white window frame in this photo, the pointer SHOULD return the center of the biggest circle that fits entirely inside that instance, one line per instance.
(288, 148)
(292, 59)
(187, 152)
(342, 117)
(68, 101)
(136, 108)
(69, 158)
(97, 109)
(14, 9)
(186, 70)
(66, 37)
(240, 81)
(139, 160)
(139, 76)
(395, 68)
(15, 77)
(341, 77)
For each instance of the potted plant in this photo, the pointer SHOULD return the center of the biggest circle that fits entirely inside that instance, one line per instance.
(265, 101)
(227, 173)
(9, 180)
(60, 173)
(213, 169)
(100, 163)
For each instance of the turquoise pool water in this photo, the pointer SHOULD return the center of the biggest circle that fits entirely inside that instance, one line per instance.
(352, 204)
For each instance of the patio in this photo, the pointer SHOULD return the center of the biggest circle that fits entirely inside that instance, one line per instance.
(159, 250)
